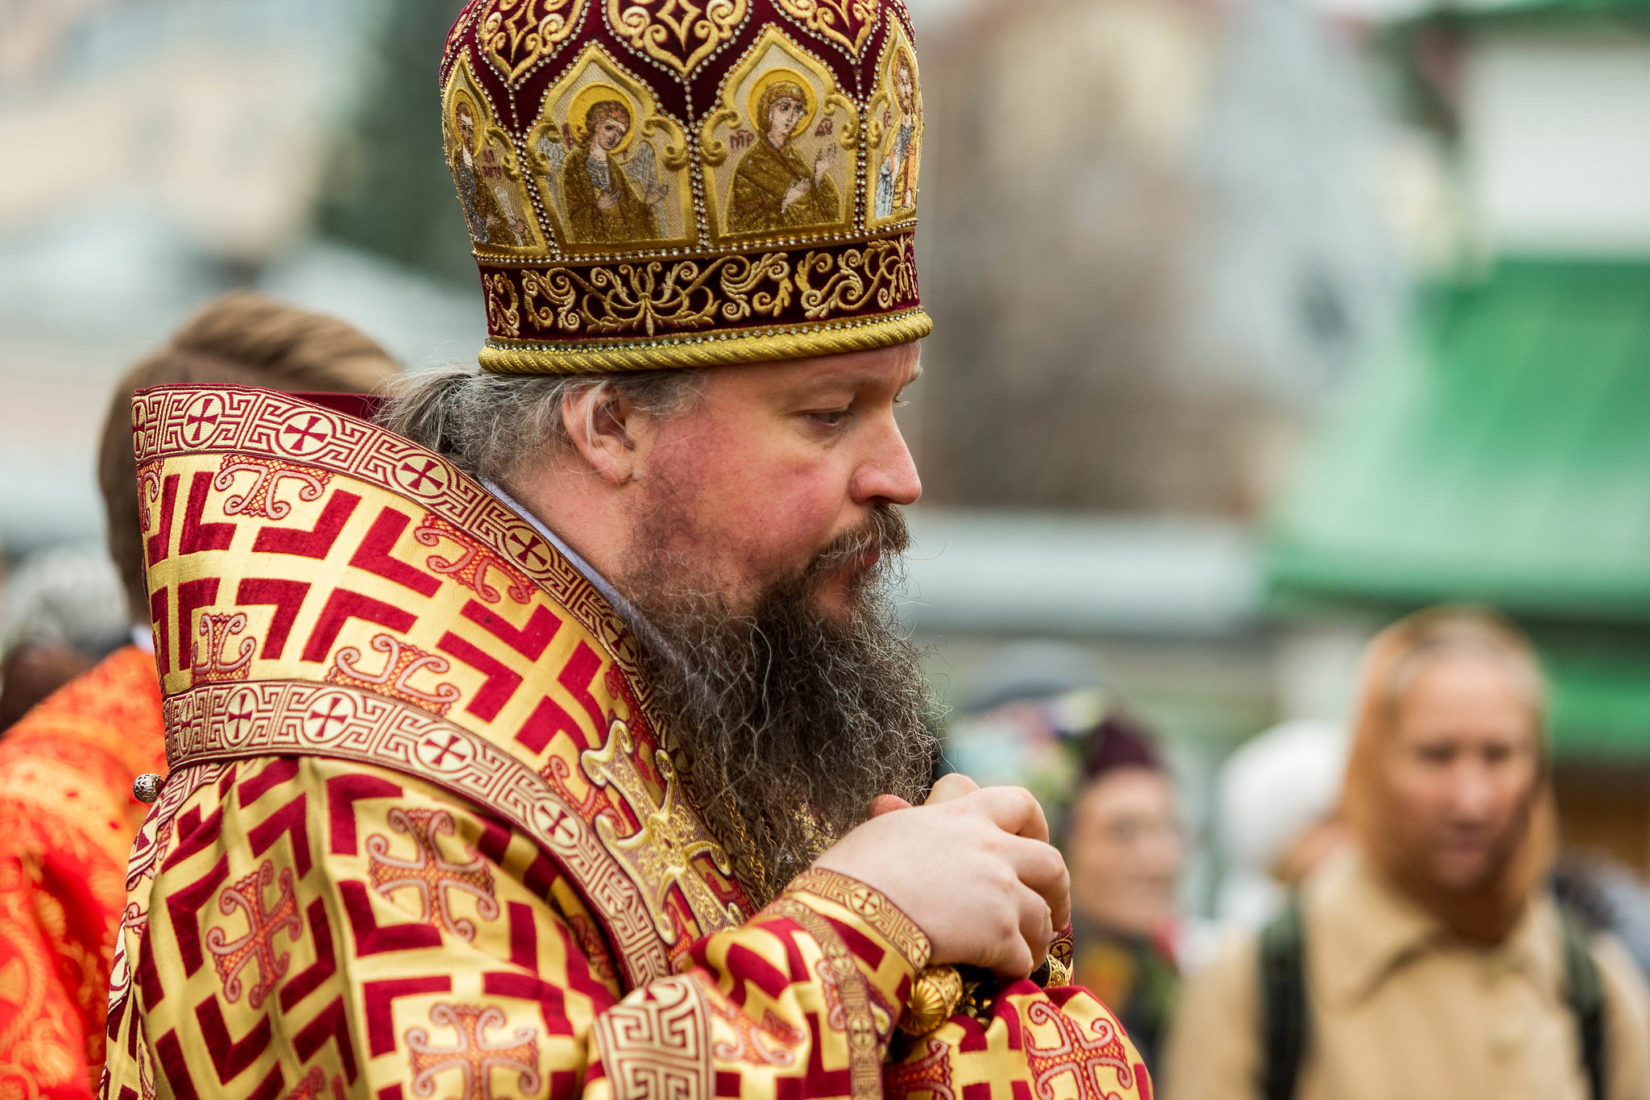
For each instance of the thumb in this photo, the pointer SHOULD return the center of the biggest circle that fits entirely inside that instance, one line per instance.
(887, 804)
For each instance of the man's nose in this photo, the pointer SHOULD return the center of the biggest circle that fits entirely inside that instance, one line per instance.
(889, 472)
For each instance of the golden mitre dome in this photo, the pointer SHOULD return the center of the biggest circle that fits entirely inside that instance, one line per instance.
(652, 183)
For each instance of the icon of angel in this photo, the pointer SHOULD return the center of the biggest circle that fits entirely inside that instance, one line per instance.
(608, 181)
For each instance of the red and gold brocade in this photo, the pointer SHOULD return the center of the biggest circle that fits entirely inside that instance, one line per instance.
(67, 817)
(422, 838)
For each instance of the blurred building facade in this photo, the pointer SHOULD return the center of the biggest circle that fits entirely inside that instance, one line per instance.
(1494, 453)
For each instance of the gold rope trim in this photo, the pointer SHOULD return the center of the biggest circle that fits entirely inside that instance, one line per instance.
(506, 357)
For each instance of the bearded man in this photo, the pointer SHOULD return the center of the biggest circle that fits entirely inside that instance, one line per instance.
(553, 735)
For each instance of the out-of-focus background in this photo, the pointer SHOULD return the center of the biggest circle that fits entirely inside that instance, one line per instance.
(1260, 322)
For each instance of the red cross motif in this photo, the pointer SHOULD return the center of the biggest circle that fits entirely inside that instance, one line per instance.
(243, 708)
(418, 476)
(529, 547)
(328, 711)
(230, 957)
(473, 1057)
(454, 746)
(202, 417)
(1081, 1055)
(303, 438)
(430, 873)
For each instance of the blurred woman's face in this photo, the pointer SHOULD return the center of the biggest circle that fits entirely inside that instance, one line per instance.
(1462, 770)
(1127, 849)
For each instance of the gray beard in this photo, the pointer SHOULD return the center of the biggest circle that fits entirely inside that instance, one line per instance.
(786, 723)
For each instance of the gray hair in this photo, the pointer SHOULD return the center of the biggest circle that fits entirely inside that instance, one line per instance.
(490, 424)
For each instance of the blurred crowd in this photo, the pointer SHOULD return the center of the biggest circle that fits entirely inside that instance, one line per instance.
(1395, 915)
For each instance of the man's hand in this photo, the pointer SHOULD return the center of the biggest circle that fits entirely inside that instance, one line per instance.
(972, 867)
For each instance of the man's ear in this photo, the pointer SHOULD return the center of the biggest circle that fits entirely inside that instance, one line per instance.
(603, 427)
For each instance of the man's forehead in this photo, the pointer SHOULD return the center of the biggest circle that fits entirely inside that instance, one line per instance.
(898, 366)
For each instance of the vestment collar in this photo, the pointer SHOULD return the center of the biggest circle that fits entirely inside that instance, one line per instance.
(322, 587)
(590, 573)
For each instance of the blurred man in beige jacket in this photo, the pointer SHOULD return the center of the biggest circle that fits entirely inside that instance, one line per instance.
(1426, 960)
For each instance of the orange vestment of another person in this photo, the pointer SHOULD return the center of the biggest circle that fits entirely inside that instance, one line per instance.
(67, 816)
(67, 812)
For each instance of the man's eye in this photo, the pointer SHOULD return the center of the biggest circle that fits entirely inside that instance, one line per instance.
(831, 418)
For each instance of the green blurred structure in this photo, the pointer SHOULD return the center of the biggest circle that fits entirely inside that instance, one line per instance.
(387, 188)
(1501, 457)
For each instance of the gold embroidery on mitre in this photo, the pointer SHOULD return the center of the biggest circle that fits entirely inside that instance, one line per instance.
(647, 297)
(680, 33)
(670, 836)
(503, 307)
(767, 219)
(608, 165)
(516, 34)
(893, 133)
(849, 22)
(780, 149)
(879, 273)
(483, 163)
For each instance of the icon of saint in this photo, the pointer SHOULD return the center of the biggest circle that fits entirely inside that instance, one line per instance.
(897, 174)
(774, 186)
(478, 178)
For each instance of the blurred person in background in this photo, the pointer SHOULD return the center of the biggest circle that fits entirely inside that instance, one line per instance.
(67, 810)
(1607, 897)
(65, 612)
(1126, 848)
(1040, 717)
(1427, 959)
(1278, 805)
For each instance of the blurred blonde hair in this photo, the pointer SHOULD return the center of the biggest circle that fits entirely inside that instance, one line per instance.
(1368, 804)
(238, 339)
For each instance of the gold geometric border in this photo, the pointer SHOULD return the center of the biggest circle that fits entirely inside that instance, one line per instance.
(872, 907)
(221, 722)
